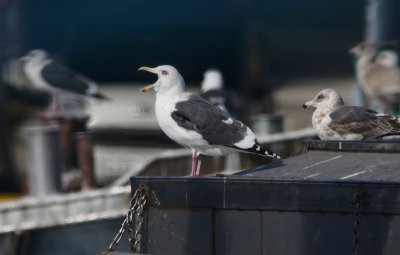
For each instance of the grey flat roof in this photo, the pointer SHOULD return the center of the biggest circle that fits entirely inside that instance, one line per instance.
(362, 161)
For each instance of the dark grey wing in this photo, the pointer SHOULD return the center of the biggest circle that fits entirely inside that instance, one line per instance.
(62, 77)
(216, 126)
(349, 114)
(360, 120)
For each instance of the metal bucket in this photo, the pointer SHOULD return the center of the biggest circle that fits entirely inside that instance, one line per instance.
(266, 123)
(44, 165)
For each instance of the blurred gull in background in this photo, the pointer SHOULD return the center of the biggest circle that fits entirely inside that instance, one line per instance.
(378, 74)
(45, 74)
(212, 89)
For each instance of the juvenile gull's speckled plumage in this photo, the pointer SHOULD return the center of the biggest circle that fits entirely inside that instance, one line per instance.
(195, 123)
(334, 121)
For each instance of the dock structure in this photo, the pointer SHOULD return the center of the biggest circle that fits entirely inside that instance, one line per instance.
(51, 217)
(337, 198)
(57, 210)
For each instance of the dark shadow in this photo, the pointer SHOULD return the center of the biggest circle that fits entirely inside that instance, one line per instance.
(274, 164)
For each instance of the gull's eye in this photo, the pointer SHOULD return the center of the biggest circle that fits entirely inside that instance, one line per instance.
(320, 97)
(164, 72)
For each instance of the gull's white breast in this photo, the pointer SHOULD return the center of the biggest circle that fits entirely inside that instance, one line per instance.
(165, 106)
(33, 72)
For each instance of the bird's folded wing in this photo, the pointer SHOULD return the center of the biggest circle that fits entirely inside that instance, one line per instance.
(216, 126)
(64, 78)
(361, 120)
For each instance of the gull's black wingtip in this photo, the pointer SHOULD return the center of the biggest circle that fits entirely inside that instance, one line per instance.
(272, 154)
(257, 149)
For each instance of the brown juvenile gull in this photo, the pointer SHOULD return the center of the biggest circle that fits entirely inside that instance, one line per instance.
(377, 74)
(334, 121)
(195, 123)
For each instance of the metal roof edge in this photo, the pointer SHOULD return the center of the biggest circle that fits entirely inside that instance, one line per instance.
(261, 194)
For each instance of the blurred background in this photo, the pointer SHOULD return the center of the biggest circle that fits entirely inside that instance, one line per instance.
(273, 57)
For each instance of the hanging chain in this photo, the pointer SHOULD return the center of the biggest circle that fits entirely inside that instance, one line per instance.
(133, 221)
(358, 198)
(136, 232)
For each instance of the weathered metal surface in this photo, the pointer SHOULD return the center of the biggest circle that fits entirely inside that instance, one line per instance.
(385, 146)
(233, 215)
(170, 231)
(235, 231)
(332, 165)
(267, 232)
(302, 205)
(263, 194)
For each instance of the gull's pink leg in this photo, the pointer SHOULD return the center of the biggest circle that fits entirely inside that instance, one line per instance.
(53, 105)
(198, 164)
(194, 161)
(51, 108)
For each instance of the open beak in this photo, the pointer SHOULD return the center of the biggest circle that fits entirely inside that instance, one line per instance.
(144, 89)
(148, 69)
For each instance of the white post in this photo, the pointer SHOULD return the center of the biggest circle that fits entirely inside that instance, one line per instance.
(44, 164)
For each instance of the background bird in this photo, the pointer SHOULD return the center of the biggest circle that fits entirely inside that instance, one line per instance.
(388, 58)
(378, 74)
(212, 89)
(45, 74)
(334, 121)
(195, 123)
